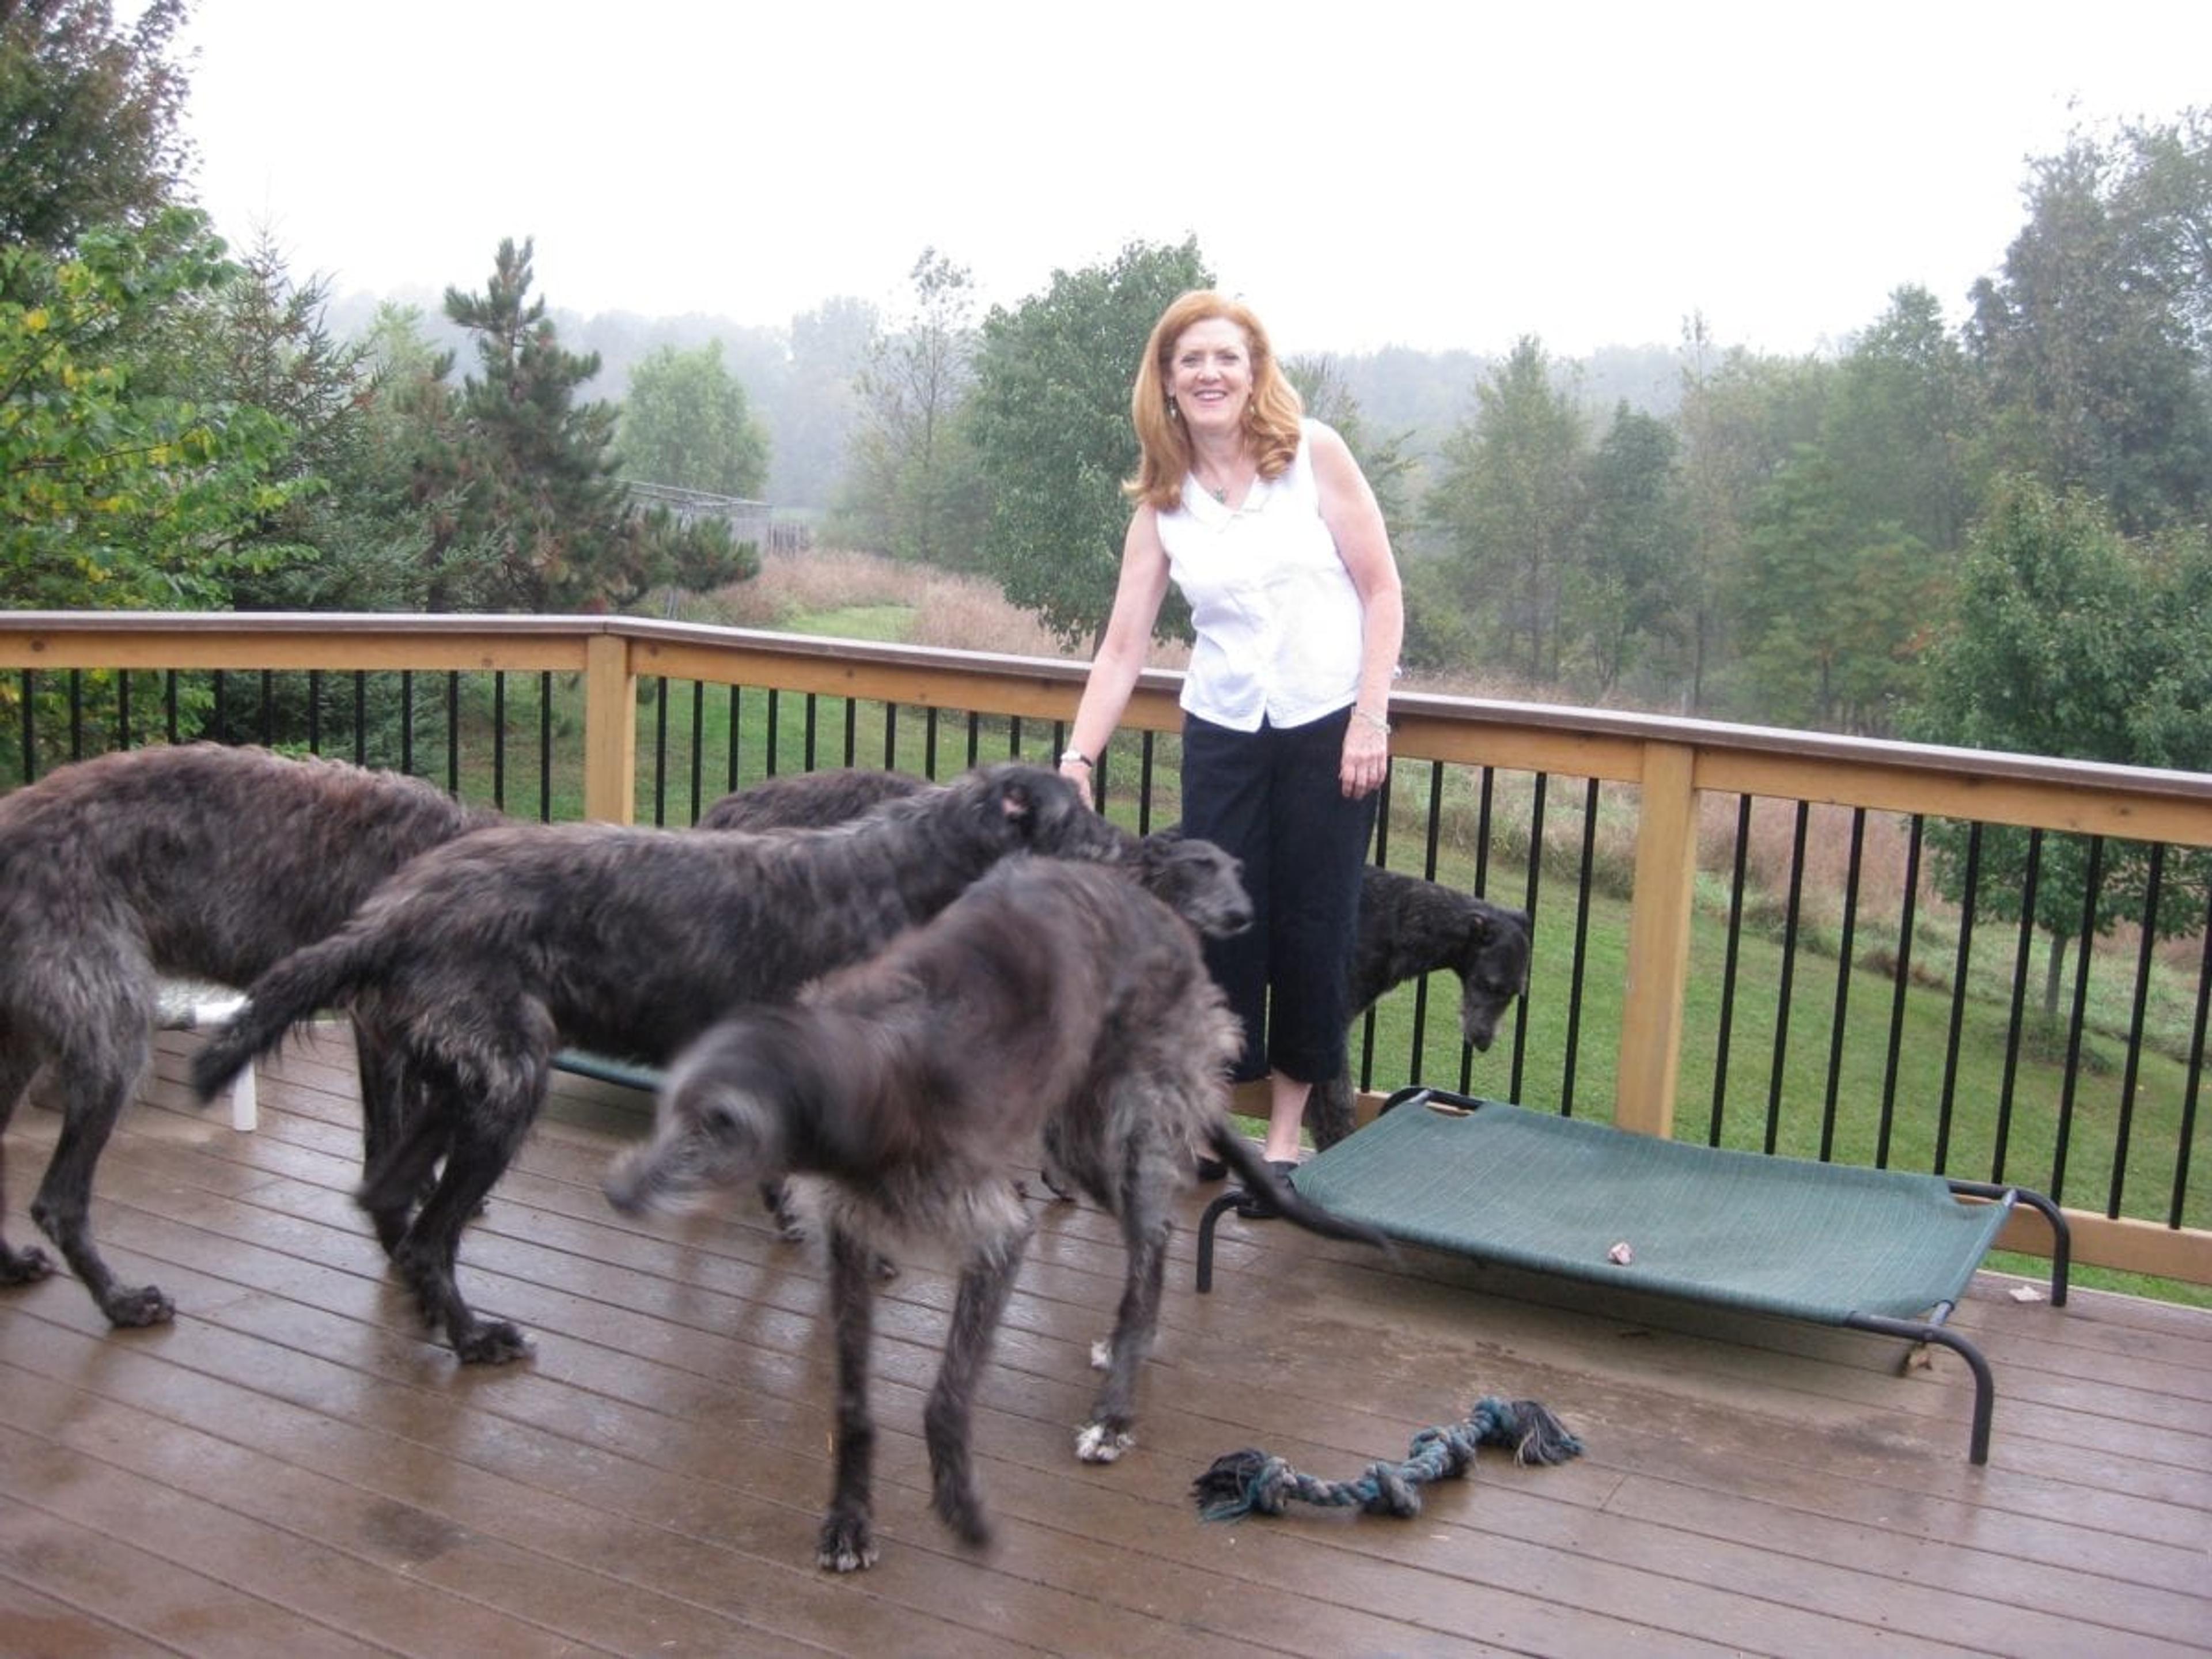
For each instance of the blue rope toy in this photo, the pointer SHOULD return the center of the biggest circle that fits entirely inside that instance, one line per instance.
(1242, 1482)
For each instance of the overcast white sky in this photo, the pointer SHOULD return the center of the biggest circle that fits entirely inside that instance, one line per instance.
(1374, 171)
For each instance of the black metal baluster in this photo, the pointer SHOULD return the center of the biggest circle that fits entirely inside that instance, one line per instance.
(1898, 992)
(1729, 962)
(1843, 947)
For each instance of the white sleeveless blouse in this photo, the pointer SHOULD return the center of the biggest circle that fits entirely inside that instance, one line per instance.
(1277, 616)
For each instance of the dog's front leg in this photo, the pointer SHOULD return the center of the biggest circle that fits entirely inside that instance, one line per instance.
(847, 1542)
(986, 1284)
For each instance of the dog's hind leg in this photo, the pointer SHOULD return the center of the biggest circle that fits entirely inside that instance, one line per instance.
(847, 1540)
(398, 1173)
(1145, 1228)
(482, 1143)
(986, 1284)
(383, 1102)
(94, 1081)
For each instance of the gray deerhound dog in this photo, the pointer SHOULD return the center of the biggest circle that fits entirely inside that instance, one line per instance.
(1055, 1011)
(194, 861)
(1193, 879)
(1407, 926)
(486, 954)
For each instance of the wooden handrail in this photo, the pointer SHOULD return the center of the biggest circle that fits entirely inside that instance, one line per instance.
(1669, 761)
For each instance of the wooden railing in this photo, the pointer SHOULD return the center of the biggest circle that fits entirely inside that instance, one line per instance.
(1663, 767)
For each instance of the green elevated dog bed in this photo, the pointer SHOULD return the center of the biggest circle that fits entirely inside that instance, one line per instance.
(1878, 1250)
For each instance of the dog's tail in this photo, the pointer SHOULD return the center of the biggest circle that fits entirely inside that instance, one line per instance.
(309, 979)
(1239, 1154)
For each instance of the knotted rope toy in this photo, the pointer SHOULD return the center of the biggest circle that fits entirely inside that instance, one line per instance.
(1241, 1482)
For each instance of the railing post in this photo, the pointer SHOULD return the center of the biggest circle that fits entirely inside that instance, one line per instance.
(1658, 940)
(610, 730)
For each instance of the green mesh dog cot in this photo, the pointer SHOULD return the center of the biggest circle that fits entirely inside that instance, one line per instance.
(1881, 1250)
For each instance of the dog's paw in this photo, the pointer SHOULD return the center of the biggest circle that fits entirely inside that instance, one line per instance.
(26, 1266)
(132, 1309)
(846, 1546)
(1097, 1443)
(492, 1342)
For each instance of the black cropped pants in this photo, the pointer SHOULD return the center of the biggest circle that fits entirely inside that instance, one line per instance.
(1271, 798)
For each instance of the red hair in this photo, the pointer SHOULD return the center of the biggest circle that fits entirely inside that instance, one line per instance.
(1271, 417)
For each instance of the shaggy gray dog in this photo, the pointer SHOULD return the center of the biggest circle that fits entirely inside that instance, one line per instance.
(1406, 927)
(1184, 875)
(485, 955)
(1055, 1011)
(194, 862)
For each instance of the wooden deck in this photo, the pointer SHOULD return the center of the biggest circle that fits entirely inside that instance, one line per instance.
(290, 1468)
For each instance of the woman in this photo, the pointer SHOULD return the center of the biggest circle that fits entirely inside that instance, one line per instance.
(1264, 521)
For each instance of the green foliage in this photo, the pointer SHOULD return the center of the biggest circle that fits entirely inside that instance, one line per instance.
(1829, 612)
(2092, 339)
(1740, 418)
(1509, 504)
(88, 119)
(912, 485)
(2066, 640)
(1617, 596)
(1901, 426)
(1053, 437)
(685, 423)
(116, 490)
(527, 494)
(1386, 458)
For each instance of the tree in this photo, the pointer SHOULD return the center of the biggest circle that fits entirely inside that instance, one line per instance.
(1053, 436)
(1509, 504)
(119, 491)
(1617, 596)
(1902, 428)
(812, 416)
(530, 481)
(88, 119)
(685, 423)
(1385, 459)
(1828, 613)
(1739, 420)
(2091, 339)
(2067, 641)
(911, 485)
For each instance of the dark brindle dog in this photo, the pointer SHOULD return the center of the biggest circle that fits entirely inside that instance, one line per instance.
(486, 954)
(195, 862)
(1055, 1011)
(1178, 872)
(1407, 926)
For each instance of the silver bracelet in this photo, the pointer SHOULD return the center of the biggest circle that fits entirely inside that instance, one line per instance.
(1375, 721)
